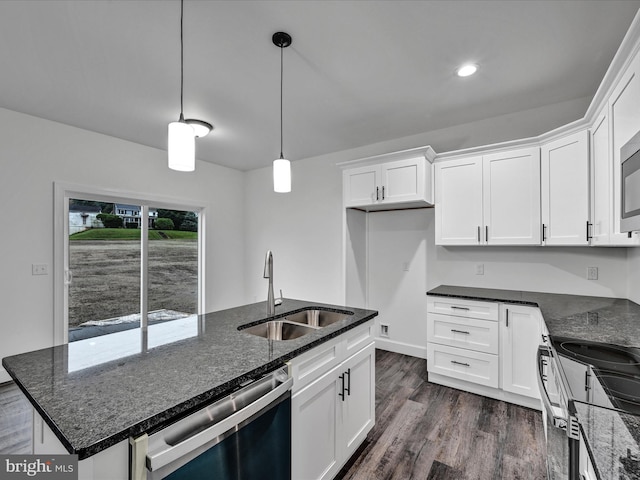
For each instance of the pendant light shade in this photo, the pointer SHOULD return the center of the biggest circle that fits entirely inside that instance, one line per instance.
(281, 175)
(182, 146)
(281, 166)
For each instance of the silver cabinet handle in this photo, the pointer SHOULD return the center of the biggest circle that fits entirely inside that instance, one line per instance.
(544, 232)
(383, 192)
(479, 240)
(459, 331)
(486, 233)
(460, 308)
(460, 363)
(589, 237)
(377, 193)
(507, 317)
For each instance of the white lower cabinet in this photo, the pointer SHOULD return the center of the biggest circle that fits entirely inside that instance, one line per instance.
(485, 348)
(331, 416)
(520, 335)
(468, 365)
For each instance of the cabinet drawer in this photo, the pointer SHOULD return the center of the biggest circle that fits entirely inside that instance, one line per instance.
(316, 362)
(463, 308)
(359, 337)
(476, 367)
(468, 333)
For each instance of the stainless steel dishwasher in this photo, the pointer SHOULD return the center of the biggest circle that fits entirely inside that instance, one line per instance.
(246, 435)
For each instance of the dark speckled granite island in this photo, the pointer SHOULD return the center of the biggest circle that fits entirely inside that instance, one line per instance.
(613, 437)
(92, 400)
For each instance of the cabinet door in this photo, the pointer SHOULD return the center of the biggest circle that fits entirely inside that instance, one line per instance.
(624, 105)
(511, 197)
(360, 186)
(600, 182)
(403, 181)
(357, 409)
(459, 202)
(565, 190)
(314, 429)
(521, 331)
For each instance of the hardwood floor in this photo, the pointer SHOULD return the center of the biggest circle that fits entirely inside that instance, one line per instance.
(426, 431)
(423, 431)
(15, 421)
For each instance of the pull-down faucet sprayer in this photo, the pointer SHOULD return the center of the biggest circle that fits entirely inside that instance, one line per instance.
(268, 273)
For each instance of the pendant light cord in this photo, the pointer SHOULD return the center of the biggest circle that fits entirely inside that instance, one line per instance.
(181, 61)
(281, 82)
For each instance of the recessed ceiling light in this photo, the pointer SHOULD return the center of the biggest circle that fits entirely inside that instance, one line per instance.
(466, 70)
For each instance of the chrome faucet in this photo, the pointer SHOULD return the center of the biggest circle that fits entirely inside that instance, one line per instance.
(268, 273)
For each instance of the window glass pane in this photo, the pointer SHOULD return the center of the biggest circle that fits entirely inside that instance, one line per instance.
(173, 264)
(104, 260)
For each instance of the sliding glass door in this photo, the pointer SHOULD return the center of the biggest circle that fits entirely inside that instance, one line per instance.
(128, 264)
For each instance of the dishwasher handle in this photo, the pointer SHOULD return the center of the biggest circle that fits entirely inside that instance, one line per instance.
(156, 460)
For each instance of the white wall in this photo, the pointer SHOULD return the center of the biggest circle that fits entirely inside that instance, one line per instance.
(633, 266)
(302, 229)
(34, 153)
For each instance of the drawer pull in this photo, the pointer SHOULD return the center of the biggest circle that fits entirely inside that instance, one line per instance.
(459, 331)
(460, 308)
(460, 363)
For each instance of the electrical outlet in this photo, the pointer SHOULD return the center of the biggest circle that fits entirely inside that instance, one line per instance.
(405, 266)
(39, 269)
(384, 330)
(592, 273)
(480, 269)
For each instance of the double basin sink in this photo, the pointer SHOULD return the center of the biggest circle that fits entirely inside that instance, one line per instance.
(296, 325)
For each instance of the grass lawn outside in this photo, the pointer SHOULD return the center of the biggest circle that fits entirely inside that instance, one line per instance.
(131, 234)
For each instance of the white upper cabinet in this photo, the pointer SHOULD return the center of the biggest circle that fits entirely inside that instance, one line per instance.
(511, 197)
(601, 186)
(405, 183)
(624, 117)
(492, 199)
(458, 195)
(565, 190)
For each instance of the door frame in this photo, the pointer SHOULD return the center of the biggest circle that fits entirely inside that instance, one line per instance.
(65, 191)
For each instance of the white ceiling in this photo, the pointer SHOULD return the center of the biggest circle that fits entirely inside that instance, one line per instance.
(358, 72)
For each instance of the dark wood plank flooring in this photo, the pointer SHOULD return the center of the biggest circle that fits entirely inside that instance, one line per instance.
(423, 431)
(15, 421)
(426, 431)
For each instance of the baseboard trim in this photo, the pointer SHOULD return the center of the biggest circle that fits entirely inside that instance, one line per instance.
(402, 348)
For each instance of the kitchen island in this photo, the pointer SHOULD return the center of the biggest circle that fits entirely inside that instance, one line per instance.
(92, 401)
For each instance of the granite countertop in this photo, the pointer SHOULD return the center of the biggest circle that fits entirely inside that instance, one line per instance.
(613, 437)
(97, 392)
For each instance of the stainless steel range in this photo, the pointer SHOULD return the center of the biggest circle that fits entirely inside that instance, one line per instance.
(571, 370)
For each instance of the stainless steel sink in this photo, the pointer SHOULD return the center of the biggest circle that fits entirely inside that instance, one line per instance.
(317, 318)
(279, 330)
(295, 325)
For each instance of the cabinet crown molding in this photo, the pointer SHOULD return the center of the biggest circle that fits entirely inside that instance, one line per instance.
(427, 152)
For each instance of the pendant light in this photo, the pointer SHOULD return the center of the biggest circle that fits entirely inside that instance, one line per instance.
(281, 166)
(181, 148)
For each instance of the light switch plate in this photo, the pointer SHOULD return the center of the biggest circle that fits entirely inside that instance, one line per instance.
(592, 273)
(480, 269)
(39, 269)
